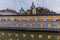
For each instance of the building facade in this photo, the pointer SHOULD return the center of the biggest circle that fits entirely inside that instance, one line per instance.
(8, 12)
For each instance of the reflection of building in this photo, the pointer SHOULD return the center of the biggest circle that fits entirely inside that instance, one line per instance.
(33, 9)
(21, 10)
(8, 12)
(25, 35)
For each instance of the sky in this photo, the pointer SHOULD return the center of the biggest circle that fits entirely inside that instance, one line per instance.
(26, 4)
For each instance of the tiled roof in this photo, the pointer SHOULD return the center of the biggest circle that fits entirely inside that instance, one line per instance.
(9, 10)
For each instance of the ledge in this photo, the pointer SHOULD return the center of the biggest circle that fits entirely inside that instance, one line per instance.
(32, 29)
(34, 15)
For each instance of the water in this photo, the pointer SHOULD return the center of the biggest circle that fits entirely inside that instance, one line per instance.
(28, 35)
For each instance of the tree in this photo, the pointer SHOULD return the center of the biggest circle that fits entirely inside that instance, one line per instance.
(39, 10)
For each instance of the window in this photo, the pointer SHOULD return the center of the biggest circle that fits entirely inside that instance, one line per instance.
(58, 37)
(49, 18)
(18, 39)
(49, 36)
(9, 25)
(9, 34)
(24, 35)
(16, 34)
(40, 18)
(16, 25)
(3, 34)
(32, 18)
(16, 18)
(49, 25)
(32, 35)
(31, 25)
(24, 25)
(10, 18)
(24, 18)
(57, 18)
(3, 18)
(40, 36)
(10, 39)
(58, 25)
(2, 25)
(40, 25)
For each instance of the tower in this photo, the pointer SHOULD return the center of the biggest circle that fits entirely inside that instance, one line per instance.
(21, 10)
(33, 8)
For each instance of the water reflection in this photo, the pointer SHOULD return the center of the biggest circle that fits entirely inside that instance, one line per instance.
(28, 35)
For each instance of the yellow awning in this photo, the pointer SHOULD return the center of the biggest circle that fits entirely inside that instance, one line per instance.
(40, 18)
(32, 18)
(49, 18)
(24, 18)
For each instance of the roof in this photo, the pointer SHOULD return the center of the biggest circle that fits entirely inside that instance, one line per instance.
(9, 10)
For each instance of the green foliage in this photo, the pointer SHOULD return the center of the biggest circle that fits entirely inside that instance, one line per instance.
(39, 10)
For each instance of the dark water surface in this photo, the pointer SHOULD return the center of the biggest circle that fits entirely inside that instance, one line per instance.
(28, 35)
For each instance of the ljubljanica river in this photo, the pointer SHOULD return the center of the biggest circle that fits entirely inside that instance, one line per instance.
(28, 35)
